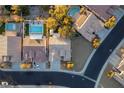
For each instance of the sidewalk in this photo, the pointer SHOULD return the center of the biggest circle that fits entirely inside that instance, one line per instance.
(37, 67)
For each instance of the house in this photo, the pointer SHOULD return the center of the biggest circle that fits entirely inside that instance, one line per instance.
(34, 45)
(117, 62)
(10, 47)
(59, 49)
(34, 49)
(88, 25)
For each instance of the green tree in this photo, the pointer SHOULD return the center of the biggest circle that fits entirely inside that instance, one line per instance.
(67, 20)
(65, 31)
(60, 11)
(51, 12)
(8, 7)
(51, 23)
(60, 20)
(24, 10)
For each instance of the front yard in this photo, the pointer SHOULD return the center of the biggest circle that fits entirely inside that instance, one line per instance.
(81, 50)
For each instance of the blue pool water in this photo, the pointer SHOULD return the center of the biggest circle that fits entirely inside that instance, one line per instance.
(36, 28)
(10, 26)
(73, 11)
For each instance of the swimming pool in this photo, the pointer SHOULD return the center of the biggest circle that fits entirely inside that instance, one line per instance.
(36, 28)
(73, 11)
(10, 26)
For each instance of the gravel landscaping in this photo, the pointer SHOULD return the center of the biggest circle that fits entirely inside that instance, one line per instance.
(81, 49)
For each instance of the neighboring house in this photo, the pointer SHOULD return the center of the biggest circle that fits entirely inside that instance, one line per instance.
(88, 26)
(86, 23)
(117, 63)
(119, 76)
(10, 46)
(59, 49)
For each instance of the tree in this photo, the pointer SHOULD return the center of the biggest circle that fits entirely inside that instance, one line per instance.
(96, 42)
(110, 22)
(51, 23)
(15, 9)
(67, 20)
(60, 20)
(24, 10)
(65, 31)
(8, 7)
(83, 10)
(62, 32)
(60, 11)
(1, 19)
(51, 12)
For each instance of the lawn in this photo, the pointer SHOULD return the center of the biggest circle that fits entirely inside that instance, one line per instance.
(44, 30)
(26, 29)
(2, 28)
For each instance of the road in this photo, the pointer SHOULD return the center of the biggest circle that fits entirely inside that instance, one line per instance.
(46, 78)
(104, 51)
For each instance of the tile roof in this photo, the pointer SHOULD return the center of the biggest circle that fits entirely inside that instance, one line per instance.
(10, 46)
(37, 53)
(101, 10)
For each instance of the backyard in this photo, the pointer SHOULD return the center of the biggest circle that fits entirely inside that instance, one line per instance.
(26, 29)
(2, 28)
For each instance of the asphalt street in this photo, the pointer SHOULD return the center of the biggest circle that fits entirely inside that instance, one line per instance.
(46, 78)
(104, 51)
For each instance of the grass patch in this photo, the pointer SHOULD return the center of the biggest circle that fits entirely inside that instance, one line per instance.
(26, 29)
(2, 28)
(44, 32)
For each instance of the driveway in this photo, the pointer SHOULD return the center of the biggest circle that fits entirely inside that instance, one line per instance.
(109, 83)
